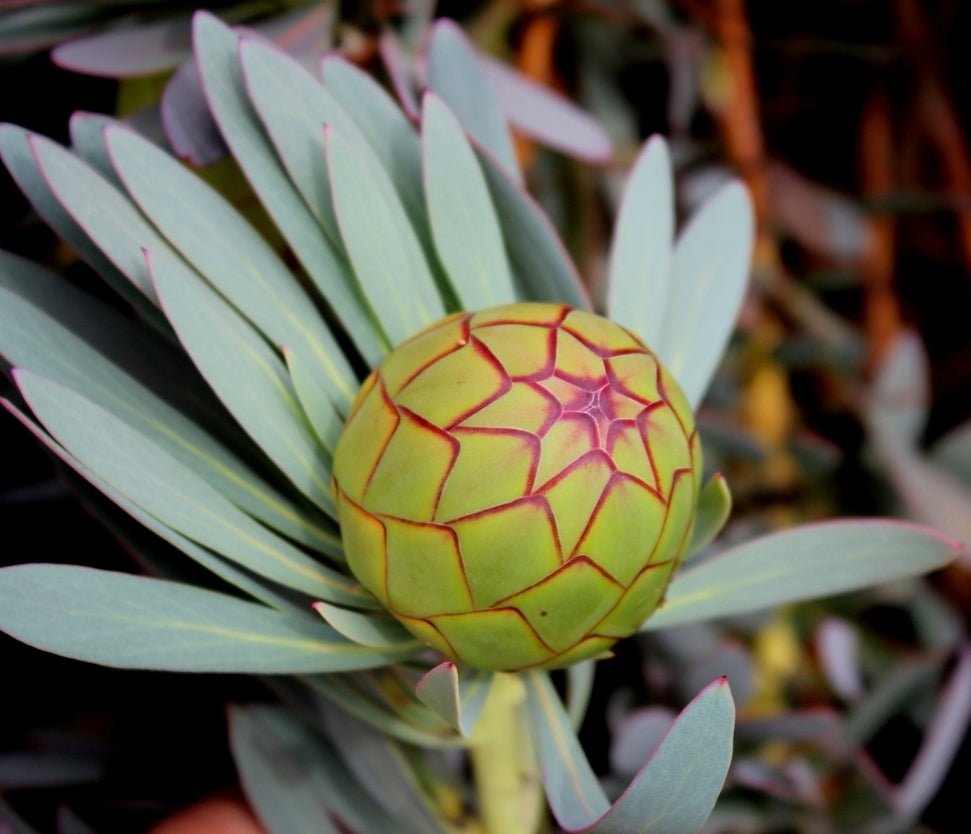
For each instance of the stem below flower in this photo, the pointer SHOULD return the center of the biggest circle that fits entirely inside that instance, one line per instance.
(508, 785)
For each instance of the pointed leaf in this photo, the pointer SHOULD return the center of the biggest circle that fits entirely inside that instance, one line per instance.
(232, 256)
(374, 629)
(540, 263)
(217, 56)
(246, 375)
(133, 622)
(455, 74)
(88, 142)
(381, 242)
(320, 412)
(381, 765)
(709, 276)
(640, 255)
(464, 223)
(545, 115)
(292, 777)
(189, 126)
(714, 508)
(18, 156)
(128, 51)
(459, 700)
(163, 487)
(32, 340)
(815, 560)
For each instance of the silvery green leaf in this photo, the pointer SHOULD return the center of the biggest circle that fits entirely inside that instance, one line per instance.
(714, 508)
(217, 57)
(455, 74)
(53, 345)
(292, 777)
(580, 678)
(814, 560)
(464, 223)
(381, 242)
(319, 410)
(541, 265)
(371, 628)
(382, 766)
(143, 473)
(231, 255)
(133, 622)
(709, 275)
(674, 791)
(458, 698)
(88, 142)
(640, 254)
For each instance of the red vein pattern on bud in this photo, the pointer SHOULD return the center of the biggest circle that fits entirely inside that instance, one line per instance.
(517, 485)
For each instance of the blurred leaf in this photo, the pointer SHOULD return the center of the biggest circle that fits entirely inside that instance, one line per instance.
(674, 791)
(128, 50)
(29, 29)
(709, 276)
(191, 130)
(953, 453)
(32, 340)
(636, 738)
(378, 630)
(898, 399)
(820, 219)
(838, 649)
(217, 55)
(457, 699)
(231, 255)
(545, 115)
(580, 677)
(18, 155)
(463, 218)
(457, 76)
(382, 245)
(714, 508)
(942, 739)
(136, 623)
(540, 263)
(48, 769)
(814, 724)
(399, 67)
(162, 486)
(814, 560)
(640, 255)
(382, 767)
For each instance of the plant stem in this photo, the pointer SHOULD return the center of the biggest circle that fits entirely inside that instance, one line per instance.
(507, 780)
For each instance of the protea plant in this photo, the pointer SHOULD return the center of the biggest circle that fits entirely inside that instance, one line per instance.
(415, 412)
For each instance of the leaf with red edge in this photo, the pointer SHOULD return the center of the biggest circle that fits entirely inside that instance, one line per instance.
(128, 51)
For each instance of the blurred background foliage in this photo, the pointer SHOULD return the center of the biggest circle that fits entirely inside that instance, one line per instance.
(847, 389)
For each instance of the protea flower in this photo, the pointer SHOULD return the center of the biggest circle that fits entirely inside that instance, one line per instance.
(515, 482)
(517, 485)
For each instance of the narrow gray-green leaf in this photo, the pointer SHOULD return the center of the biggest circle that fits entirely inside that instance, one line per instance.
(457, 699)
(677, 788)
(375, 629)
(541, 265)
(640, 255)
(714, 508)
(33, 340)
(133, 622)
(815, 560)
(381, 243)
(344, 691)
(142, 472)
(15, 150)
(464, 223)
(381, 765)
(323, 417)
(455, 74)
(224, 569)
(572, 789)
(709, 275)
(231, 255)
(580, 678)
(217, 56)
(293, 778)
(88, 142)
(246, 375)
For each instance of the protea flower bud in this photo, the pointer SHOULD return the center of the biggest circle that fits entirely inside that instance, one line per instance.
(517, 485)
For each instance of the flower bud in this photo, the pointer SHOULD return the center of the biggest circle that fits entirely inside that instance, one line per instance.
(518, 484)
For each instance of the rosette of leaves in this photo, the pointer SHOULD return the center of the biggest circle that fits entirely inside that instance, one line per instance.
(211, 416)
